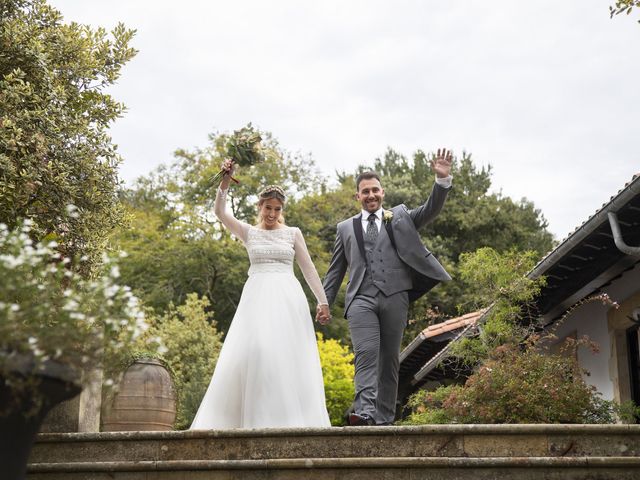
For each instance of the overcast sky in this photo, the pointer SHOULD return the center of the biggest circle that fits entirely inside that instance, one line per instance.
(546, 92)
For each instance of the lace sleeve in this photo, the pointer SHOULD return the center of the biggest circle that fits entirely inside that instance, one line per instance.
(308, 268)
(235, 226)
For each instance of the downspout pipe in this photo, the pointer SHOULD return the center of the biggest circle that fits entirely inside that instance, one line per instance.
(617, 237)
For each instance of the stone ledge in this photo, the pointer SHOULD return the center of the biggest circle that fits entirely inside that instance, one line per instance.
(556, 429)
(341, 463)
(429, 452)
(400, 442)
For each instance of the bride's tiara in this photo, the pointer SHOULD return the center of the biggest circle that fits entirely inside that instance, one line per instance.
(273, 191)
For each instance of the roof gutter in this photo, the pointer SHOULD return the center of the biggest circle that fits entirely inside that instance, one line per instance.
(616, 203)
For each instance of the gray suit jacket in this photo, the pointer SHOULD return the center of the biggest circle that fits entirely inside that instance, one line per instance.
(423, 272)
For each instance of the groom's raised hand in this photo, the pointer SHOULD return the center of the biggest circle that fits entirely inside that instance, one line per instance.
(441, 163)
(323, 314)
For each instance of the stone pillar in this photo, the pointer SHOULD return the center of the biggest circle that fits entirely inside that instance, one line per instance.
(81, 413)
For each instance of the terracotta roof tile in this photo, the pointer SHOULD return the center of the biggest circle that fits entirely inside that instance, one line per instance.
(452, 324)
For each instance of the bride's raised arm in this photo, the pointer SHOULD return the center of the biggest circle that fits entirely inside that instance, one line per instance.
(235, 226)
(308, 268)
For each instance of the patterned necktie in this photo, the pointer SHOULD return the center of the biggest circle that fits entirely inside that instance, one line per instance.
(372, 228)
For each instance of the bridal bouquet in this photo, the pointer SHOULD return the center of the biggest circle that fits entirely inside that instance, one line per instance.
(244, 149)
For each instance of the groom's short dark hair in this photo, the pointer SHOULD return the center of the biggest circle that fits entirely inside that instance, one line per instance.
(368, 175)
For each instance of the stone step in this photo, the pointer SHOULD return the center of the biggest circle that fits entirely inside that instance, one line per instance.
(424, 441)
(463, 452)
(518, 468)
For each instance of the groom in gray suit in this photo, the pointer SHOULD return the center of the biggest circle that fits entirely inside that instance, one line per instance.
(388, 268)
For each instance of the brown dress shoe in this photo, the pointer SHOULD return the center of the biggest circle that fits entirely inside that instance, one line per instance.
(364, 420)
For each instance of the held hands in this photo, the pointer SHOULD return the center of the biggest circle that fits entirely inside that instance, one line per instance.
(323, 315)
(441, 163)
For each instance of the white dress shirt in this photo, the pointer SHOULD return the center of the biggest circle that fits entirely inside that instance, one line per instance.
(365, 219)
(443, 182)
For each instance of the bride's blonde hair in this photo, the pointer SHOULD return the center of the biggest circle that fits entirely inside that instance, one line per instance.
(269, 192)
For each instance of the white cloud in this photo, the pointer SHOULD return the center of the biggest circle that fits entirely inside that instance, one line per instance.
(544, 91)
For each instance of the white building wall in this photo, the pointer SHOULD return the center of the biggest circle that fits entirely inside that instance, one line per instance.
(625, 286)
(591, 320)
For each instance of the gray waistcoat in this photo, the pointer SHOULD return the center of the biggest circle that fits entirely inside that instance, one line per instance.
(385, 271)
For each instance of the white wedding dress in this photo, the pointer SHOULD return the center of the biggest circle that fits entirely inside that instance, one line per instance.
(268, 374)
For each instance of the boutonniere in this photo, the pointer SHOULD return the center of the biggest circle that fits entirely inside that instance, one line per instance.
(387, 216)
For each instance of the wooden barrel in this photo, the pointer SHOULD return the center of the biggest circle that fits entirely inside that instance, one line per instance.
(145, 401)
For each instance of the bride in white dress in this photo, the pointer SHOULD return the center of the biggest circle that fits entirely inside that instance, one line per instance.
(268, 373)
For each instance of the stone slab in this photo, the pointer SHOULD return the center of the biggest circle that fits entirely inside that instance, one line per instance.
(431, 441)
(623, 468)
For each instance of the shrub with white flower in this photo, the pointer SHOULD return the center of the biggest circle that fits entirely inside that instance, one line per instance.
(49, 312)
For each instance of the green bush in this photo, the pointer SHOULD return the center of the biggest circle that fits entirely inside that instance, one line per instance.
(338, 371)
(515, 380)
(192, 347)
(426, 406)
(516, 386)
(497, 280)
